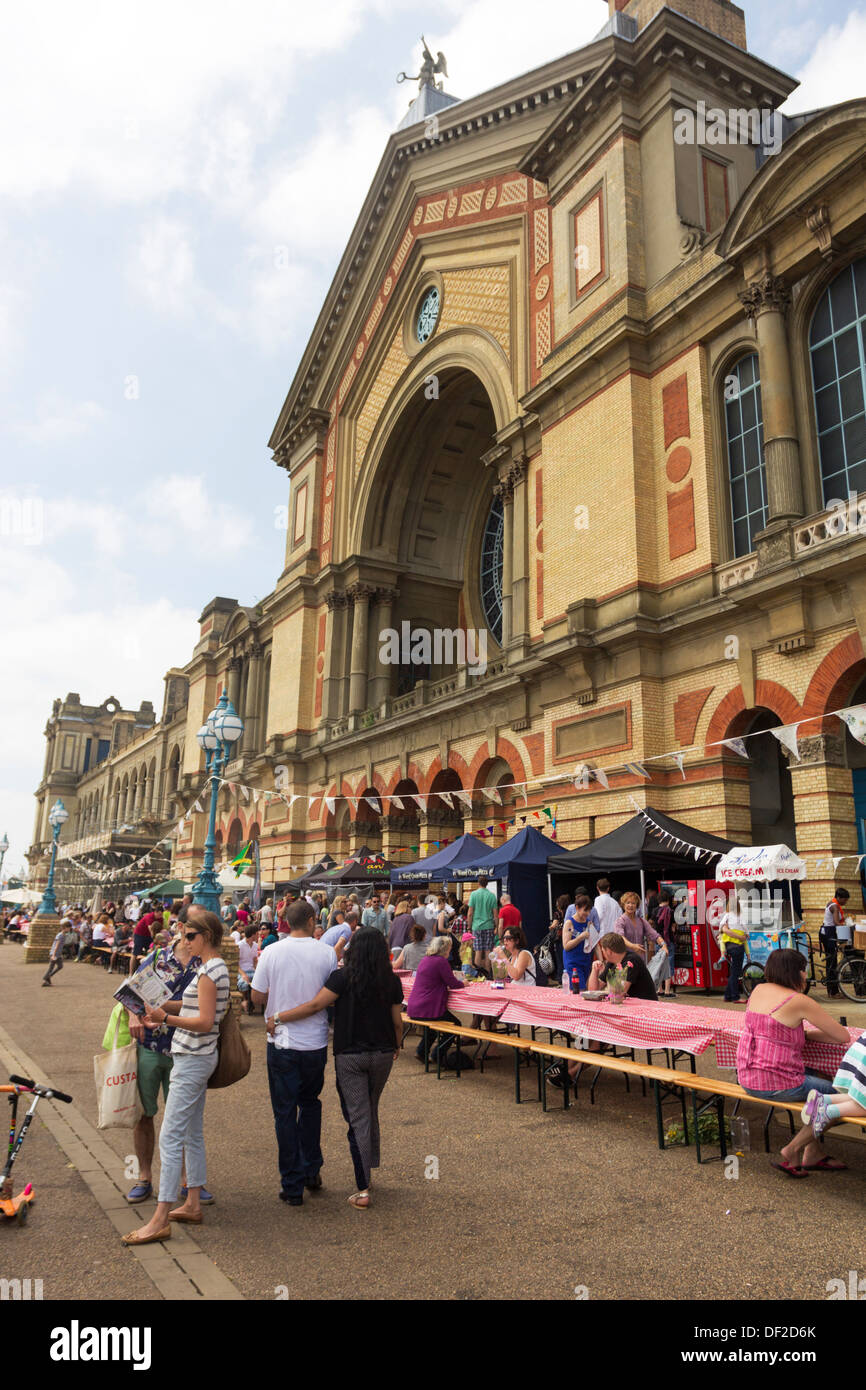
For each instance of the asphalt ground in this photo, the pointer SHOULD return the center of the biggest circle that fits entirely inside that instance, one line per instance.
(477, 1198)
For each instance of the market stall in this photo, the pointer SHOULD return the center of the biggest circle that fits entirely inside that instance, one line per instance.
(449, 865)
(521, 865)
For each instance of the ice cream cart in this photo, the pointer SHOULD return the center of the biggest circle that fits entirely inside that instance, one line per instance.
(757, 866)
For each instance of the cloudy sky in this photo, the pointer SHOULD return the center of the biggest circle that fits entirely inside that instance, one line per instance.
(177, 182)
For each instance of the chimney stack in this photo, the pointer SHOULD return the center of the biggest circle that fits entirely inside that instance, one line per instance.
(719, 16)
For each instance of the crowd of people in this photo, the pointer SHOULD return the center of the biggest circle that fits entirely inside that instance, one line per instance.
(309, 964)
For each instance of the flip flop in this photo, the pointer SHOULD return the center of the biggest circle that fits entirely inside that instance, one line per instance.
(359, 1200)
(135, 1239)
(790, 1171)
(827, 1165)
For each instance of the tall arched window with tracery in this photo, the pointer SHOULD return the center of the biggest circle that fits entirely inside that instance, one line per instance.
(747, 481)
(837, 346)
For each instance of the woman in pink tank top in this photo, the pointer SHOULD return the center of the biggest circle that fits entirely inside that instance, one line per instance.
(770, 1054)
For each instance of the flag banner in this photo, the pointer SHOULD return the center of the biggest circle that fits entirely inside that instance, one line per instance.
(398, 802)
(600, 776)
(374, 802)
(197, 806)
(414, 848)
(353, 802)
(420, 801)
(246, 793)
(787, 736)
(679, 759)
(837, 860)
(492, 795)
(855, 718)
(447, 798)
(293, 799)
(582, 776)
(465, 797)
(256, 795)
(736, 745)
(331, 804)
(503, 826)
(637, 770)
(547, 811)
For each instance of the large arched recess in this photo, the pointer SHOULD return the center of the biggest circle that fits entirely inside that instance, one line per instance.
(425, 497)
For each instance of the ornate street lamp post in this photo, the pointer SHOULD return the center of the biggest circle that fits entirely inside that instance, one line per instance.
(4, 845)
(57, 818)
(44, 925)
(220, 731)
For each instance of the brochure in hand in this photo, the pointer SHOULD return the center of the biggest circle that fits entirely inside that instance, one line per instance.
(146, 989)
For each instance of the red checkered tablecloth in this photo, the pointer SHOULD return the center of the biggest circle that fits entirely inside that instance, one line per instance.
(473, 999)
(642, 1024)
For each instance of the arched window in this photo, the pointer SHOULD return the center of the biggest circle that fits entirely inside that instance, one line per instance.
(747, 483)
(491, 568)
(838, 353)
(233, 848)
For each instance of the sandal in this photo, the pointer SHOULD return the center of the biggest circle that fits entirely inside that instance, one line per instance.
(361, 1200)
(827, 1165)
(790, 1171)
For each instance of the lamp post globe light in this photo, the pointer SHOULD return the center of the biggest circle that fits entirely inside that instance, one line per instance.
(217, 735)
(57, 818)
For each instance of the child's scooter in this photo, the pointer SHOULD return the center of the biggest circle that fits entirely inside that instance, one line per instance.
(19, 1206)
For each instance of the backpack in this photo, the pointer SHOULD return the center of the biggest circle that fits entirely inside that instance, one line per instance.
(545, 957)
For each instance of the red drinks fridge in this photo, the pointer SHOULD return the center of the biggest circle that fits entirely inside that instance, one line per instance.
(699, 963)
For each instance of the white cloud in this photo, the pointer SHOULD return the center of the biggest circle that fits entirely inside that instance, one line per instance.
(185, 513)
(58, 421)
(834, 72)
(53, 642)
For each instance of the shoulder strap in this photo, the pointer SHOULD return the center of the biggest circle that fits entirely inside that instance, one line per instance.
(783, 1003)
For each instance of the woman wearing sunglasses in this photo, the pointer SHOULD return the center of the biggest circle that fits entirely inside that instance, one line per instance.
(196, 1019)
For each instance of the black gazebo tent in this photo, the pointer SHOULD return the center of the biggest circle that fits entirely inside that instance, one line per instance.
(638, 847)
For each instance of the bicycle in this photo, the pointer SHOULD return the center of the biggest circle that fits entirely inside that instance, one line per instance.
(850, 975)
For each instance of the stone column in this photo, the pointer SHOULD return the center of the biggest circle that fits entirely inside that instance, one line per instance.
(361, 595)
(505, 490)
(766, 302)
(826, 823)
(519, 634)
(380, 685)
(335, 643)
(234, 680)
(250, 714)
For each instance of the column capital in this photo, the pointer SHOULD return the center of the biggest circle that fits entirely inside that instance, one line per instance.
(504, 489)
(336, 599)
(821, 748)
(234, 663)
(256, 651)
(360, 592)
(768, 294)
(386, 595)
(518, 471)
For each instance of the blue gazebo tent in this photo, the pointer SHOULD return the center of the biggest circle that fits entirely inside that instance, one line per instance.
(522, 862)
(445, 867)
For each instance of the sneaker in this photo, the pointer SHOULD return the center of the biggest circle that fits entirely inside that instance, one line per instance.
(822, 1119)
(807, 1114)
(292, 1201)
(314, 1183)
(206, 1198)
(140, 1192)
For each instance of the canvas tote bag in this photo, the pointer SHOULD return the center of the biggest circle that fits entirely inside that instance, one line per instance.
(116, 1077)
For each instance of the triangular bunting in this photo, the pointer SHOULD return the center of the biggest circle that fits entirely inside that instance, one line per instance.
(447, 798)
(398, 802)
(855, 718)
(599, 774)
(787, 736)
(679, 759)
(492, 794)
(737, 746)
(637, 770)
(420, 801)
(331, 804)
(465, 797)
(374, 802)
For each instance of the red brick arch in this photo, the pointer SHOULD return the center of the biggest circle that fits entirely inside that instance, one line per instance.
(731, 716)
(455, 764)
(837, 677)
(504, 751)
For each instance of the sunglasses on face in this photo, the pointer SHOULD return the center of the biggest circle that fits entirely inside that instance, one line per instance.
(191, 936)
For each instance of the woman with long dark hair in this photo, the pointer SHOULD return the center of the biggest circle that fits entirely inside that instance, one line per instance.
(368, 1032)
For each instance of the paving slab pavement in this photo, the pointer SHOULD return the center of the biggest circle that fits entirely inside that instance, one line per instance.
(524, 1205)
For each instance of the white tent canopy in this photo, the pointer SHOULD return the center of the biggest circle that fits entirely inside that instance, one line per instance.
(20, 896)
(227, 878)
(760, 864)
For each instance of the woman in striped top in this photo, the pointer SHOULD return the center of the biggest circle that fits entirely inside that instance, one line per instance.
(196, 1018)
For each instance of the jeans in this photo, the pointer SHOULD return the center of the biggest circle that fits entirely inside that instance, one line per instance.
(295, 1080)
(810, 1083)
(54, 967)
(735, 956)
(182, 1133)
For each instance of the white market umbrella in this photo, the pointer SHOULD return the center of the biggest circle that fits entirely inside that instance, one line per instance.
(762, 864)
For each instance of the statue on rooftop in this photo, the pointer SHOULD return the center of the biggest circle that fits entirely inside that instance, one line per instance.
(427, 76)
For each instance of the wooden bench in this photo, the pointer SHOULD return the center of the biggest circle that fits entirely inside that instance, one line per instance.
(519, 1046)
(668, 1079)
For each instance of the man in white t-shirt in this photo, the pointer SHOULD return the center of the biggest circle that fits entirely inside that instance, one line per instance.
(607, 909)
(289, 973)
